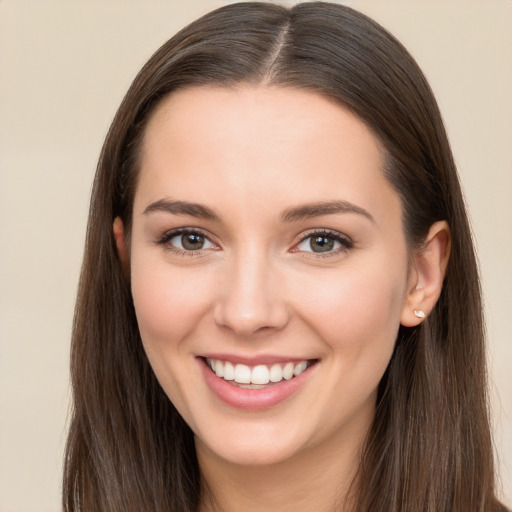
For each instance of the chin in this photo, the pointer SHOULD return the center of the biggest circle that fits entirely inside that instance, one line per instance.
(251, 449)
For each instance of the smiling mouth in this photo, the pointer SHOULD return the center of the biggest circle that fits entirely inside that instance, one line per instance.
(259, 376)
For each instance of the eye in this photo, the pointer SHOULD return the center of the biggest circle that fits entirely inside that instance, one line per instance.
(324, 242)
(186, 241)
(191, 242)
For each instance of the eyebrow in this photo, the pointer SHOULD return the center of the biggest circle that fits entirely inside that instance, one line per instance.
(289, 215)
(325, 208)
(182, 208)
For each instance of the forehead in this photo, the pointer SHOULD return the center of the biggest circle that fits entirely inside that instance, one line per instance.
(253, 113)
(242, 144)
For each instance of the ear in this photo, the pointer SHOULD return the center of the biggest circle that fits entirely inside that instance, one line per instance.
(122, 251)
(426, 275)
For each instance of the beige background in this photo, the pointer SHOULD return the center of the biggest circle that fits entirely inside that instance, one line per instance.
(64, 67)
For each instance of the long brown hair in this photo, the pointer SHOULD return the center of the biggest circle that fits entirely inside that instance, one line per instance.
(429, 447)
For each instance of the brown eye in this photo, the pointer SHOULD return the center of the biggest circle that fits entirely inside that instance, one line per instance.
(321, 243)
(325, 242)
(189, 241)
(192, 241)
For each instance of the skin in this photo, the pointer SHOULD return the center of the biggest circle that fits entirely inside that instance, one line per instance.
(258, 288)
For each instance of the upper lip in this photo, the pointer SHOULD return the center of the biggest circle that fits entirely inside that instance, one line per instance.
(254, 360)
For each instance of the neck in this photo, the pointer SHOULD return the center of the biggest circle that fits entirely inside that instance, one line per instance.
(318, 479)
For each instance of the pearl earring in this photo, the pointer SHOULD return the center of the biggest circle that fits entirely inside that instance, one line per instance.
(419, 313)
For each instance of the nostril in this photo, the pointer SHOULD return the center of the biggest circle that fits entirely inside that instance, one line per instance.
(245, 324)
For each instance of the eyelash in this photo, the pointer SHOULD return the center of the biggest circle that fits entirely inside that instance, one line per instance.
(345, 243)
(166, 238)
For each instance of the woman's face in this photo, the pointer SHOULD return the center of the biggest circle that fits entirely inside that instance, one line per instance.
(266, 242)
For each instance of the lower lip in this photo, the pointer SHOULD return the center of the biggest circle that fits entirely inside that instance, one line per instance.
(253, 399)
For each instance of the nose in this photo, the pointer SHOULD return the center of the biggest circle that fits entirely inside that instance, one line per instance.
(251, 297)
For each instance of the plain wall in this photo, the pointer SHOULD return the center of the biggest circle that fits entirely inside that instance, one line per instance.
(64, 67)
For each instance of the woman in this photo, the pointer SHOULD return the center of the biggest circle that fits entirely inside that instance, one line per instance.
(279, 304)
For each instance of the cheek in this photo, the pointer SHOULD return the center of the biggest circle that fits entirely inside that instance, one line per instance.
(168, 302)
(169, 305)
(358, 315)
(358, 321)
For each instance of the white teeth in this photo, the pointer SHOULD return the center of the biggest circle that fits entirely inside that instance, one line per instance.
(259, 375)
(229, 371)
(242, 374)
(219, 369)
(276, 373)
(288, 371)
(300, 368)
